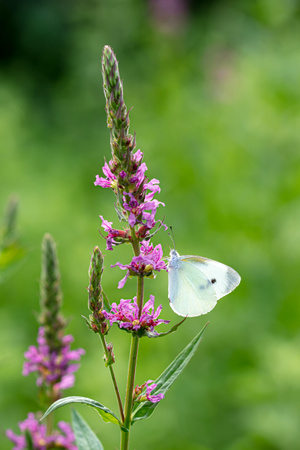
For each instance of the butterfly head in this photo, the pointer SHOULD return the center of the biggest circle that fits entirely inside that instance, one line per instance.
(173, 258)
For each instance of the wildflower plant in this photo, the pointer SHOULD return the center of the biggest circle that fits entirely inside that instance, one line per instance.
(52, 361)
(136, 206)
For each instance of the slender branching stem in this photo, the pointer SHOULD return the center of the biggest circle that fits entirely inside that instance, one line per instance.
(113, 377)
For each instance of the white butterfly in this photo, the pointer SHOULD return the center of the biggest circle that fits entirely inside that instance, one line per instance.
(197, 283)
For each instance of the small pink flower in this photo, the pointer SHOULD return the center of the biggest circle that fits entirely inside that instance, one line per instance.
(147, 396)
(126, 315)
(150, 259)
(149, 388)
(114, 236)
(108, 181)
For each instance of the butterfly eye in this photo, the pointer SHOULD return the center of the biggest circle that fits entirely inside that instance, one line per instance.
(213, 280)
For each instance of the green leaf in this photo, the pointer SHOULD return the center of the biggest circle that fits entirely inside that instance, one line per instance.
(85, 437)
(106, 304)
(106, 414)
(28, 438)
(154, 334)
(143, 410)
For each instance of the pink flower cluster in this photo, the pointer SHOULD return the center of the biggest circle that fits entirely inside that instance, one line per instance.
(139, 397)
(40, 440)
(136, 192)
(53, 367)
(126, 315)
(148, 260)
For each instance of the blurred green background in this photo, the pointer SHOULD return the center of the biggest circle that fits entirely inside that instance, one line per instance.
(216, 96)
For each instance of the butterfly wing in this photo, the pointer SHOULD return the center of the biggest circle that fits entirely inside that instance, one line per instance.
(190, 292)
(196, 284)
(224, 278)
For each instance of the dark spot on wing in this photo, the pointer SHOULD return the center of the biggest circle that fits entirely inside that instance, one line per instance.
(213, 280)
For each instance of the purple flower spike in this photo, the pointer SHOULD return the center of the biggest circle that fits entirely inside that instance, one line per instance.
(53, 367)
(40, 439)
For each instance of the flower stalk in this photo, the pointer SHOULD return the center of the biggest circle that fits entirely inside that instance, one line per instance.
(97, 321)
(129, 391)
(135, 205)
(51, 359)
(50, 295)
(109, 361)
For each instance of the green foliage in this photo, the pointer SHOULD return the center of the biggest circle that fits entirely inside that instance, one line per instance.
(216, 104)
(106, 414)
(85, 437)
(144, 409)
(153, 334)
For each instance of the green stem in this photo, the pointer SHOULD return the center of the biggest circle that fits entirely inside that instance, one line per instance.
(133, 355)
(49, 424)
(129, 391)
(140, 294)
(113, 377)
(134, 242)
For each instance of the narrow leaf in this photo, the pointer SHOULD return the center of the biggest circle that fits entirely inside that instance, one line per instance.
(28, 438)
(154, 334)
(144, 409)
(106, 304)
(85, 437)
(106, 414)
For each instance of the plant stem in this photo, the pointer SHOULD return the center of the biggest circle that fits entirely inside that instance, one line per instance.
(129, 391)
(132, 356)
(113, 377)
(49, 424)
(134, 242)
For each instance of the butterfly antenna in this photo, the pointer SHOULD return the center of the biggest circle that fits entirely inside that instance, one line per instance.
(171, 235)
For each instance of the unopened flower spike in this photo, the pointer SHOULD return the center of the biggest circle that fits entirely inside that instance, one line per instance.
(113, 91)
(122, 143)
(50, 295)
(96, 295)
